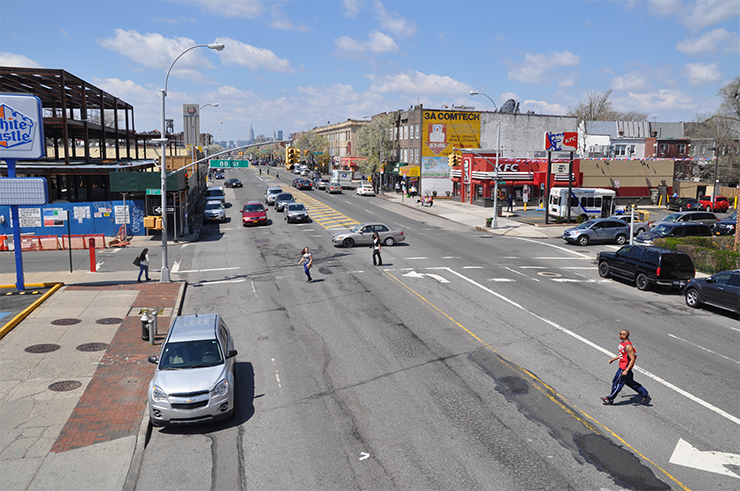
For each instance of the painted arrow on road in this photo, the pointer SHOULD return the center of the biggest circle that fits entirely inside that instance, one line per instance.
(364, 455)
(414, 274)
(685, 454)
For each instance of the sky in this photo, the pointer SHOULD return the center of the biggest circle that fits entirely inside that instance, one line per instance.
(294, 65)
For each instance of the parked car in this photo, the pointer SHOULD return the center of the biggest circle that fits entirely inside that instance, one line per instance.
(283, 199)
(598, 230)
(362, 234)
(271, 193)
(216, 193)
(254, 213)
(640, 226)
(647, 266)
(214, 212)
(684, 204)
(667, 229)
(704, 217)
(233, 183)
(320, 183)
(365, 190)
(726, 226)
(296, 212)
(719, 290)
(194, 381)
(334, 187)
(720, 203)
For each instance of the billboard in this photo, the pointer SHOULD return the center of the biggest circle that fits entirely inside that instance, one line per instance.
(441, 132)
(561, 142)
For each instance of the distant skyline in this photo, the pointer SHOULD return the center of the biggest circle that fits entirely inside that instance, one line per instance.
(294, 65)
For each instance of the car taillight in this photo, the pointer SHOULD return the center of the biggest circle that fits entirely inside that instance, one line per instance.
(657, 272)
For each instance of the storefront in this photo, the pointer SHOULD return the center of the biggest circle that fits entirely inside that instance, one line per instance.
(473, 181)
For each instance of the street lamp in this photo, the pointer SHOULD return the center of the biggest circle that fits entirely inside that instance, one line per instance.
(208, 131)
(494, 222)
(165, 276)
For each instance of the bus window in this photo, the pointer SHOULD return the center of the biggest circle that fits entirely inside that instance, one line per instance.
(597, 202)
(573, 201)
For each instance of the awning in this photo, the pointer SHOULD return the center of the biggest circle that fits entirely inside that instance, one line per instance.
(396, 168)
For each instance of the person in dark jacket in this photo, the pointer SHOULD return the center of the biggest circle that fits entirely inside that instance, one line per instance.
(376, 249)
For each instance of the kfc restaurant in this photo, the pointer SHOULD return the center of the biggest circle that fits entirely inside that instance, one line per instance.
(526, 179)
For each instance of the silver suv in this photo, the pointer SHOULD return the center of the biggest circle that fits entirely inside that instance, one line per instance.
(195, 379)
(214, 211)
(598, 230)
(271, 193)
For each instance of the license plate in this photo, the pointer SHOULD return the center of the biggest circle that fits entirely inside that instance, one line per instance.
(678, 283)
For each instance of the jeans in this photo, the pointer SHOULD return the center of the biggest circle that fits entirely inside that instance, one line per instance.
(144, 268)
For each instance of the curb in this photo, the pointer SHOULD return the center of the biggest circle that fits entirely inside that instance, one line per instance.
(18, 318)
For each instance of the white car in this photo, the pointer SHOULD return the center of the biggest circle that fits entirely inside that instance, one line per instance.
(365, 190)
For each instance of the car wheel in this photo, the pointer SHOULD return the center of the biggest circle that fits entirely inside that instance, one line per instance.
(640, 231)
(692, 298)
(348, 242)
(389, 241)
(708, 208)
(642, 282)
(621, 239)
(583, 240)
(603, 269)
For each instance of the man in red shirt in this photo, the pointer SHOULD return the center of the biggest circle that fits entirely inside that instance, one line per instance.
(627, 357)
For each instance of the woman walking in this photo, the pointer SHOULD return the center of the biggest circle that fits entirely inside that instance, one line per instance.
(376, 249)
(144, 264)
(307, 261)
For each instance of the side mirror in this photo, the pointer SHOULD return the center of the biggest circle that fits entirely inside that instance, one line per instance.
(710, 280)
(153, 359)
(232, 353)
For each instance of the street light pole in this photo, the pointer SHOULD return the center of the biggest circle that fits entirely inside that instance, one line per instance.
(494, 222)
(165, 276)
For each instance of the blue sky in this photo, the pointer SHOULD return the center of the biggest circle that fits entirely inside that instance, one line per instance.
(293, 65)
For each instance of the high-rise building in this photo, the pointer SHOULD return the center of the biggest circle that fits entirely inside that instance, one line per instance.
(251, 133)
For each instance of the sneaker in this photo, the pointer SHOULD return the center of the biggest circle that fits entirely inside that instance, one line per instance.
(607, 401)
(645, 399)
(308, 281)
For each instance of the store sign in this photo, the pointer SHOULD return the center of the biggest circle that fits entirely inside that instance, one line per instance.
(21, 127)
(561, 142)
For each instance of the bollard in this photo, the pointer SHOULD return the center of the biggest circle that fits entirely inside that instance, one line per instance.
(145, 326)
(91, 246)
(153, 328)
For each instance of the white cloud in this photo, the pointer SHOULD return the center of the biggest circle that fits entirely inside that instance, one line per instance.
(377, 43)
(662, 99)
(392, 22)
(632, 81)
(542, 107)
(711, 42)
(418, 84)
(352, 7)
(241, 54)
(18, 61)
(537, 67)
(705, 13)
(246, 9)
(701, 73)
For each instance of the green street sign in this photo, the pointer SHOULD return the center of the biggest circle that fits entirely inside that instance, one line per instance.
(157, 192)
(502, 183)
(227, 163)
(318, 153)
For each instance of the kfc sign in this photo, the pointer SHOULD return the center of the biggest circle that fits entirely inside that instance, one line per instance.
(561, 142)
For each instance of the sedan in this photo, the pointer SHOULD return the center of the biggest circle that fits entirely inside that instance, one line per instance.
(598, 230)
(333, 187)
(684, 204)
(233, 183)
(726, 226)
(320, 183)
(254, 213)
(303, 184)
(296, 212)
(283, 199)
(220, 176)
(363, 235)
(719, 290)
(365, 190)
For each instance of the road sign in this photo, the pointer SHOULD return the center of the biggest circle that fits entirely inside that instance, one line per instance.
(227, 163)
(157, 192)
(158, 209)
(502, 183)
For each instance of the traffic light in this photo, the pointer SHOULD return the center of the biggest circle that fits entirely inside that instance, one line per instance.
(454, 160)
(291, 156)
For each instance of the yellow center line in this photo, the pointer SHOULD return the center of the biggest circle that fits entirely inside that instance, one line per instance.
(540, 385)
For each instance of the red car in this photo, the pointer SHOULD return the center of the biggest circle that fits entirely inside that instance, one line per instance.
(254, 213)
(720, 203)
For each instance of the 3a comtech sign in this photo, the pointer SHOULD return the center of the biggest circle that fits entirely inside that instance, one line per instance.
(21, 127)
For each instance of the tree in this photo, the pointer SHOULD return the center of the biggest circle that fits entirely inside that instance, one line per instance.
(598, 107)
(375, 141)
(317, 147)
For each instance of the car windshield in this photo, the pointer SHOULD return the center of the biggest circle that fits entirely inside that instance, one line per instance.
(732, 217)
(662, 229)
(673, 217)
(248, 208)
(191, 354)
(285, 197)
(274, 191)
(586, 224)
(296, 208)
(213, 206)
(357, 228)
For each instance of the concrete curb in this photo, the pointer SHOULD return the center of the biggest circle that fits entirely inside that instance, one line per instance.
(18, 318)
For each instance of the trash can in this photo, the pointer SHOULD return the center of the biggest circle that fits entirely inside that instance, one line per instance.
(499, 210)
(489, 222)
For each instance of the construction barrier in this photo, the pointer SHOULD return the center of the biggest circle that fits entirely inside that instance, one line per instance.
(54, 243)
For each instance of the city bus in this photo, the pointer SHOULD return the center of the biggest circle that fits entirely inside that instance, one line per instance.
(586, 202)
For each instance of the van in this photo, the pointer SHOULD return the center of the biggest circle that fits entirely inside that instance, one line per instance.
(677, 229)
(705, 217)
(216, 193)
(194, 381)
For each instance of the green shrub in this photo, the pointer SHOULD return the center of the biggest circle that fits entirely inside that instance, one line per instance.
(710, 254)
(579, 219)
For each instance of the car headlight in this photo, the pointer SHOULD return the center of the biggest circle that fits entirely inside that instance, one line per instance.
(158, 394)
(221, 389)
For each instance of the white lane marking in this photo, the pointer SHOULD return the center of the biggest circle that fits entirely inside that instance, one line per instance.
(370, 212)
(686, 455)
(224, 281)
(254, 289)
(414, 274)
(532, 267)
(451, 257)
(578, 267)
(705, 349)
(522, 274)
(501, 280)
(472, 267)
(560, 248)
(184, 246)
(573, 280)
(277, 375)
(98, 264)
(176, 267)
(580, 338)
(208, 270)
(414, 258)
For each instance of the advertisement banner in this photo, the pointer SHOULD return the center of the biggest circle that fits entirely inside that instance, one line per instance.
(443, 130)
(561, 142)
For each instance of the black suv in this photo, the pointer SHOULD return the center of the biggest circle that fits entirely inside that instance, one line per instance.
(684, 204)
(647, 266)
(726, 226)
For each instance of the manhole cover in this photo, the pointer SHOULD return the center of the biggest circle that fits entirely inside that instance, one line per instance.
(549, 274)
(92, 347)
(109, 320)
(65, 322)
(65, 385)
(42, 348)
